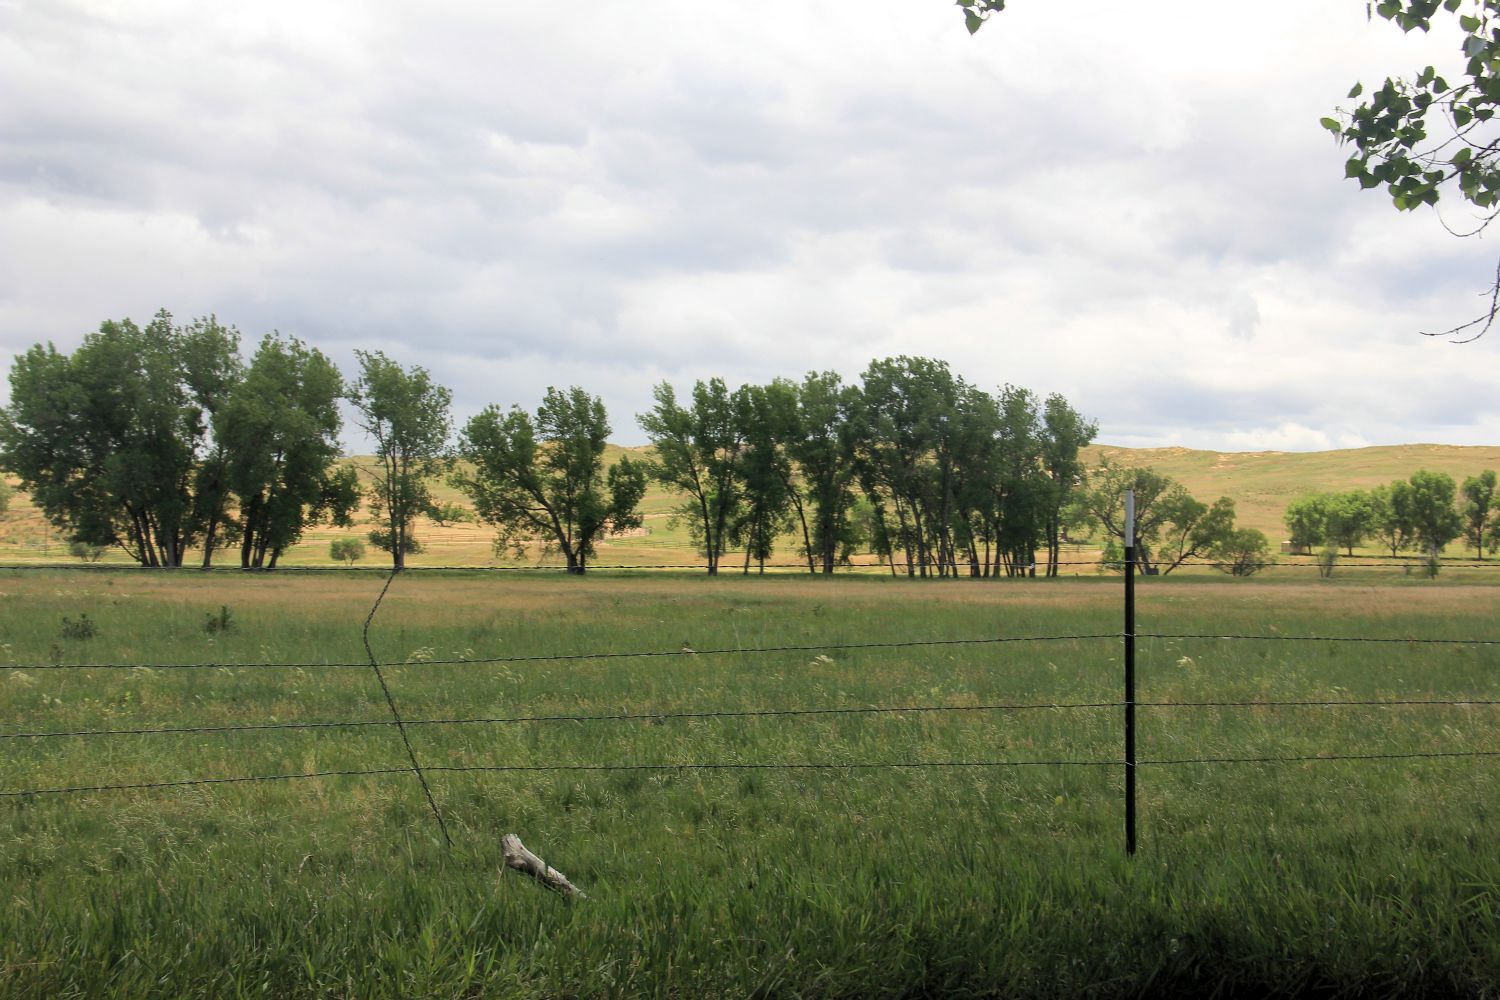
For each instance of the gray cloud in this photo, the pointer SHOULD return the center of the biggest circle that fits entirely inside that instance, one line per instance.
(516, 198)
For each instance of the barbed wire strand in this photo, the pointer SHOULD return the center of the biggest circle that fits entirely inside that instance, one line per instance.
(553, 657)
(619, 717)
(758, 714)
(1318, 638)
(740, 766)
(391, 701)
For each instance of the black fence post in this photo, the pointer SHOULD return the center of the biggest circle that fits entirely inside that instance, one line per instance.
(1130, 671)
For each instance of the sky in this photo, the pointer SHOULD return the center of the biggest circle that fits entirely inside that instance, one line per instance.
(1130, 204)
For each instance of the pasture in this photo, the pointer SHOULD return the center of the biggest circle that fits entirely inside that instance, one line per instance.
(957, 836)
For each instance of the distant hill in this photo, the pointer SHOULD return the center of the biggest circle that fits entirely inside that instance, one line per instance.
(1263, 483)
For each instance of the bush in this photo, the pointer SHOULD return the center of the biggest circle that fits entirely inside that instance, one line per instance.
(81, 629)
(87, 552)
(221, 622)
(346, 550)
(381, 539)
(1327, 558)
(1244, 552)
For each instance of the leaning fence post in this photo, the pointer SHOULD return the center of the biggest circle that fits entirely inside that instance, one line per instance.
(1130, 671)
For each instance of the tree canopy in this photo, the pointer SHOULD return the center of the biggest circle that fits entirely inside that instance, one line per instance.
(544, 477)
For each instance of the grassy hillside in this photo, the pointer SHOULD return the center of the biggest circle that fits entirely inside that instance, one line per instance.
(1262, 483)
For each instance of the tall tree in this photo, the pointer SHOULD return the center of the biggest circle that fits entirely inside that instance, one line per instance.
(406, 414)
(1435, 518)
(1192, 529)
(1392, 516)
(905, 404)
(1157, 499)
(1306, 520)
(822, 447)
(1481, 517)
(698, 453)
(109, 440)
(278, 449)
(767, 417)
(545, 478)
(1065, 432)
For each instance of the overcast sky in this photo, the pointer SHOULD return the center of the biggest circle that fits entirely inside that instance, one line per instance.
(1131, 204)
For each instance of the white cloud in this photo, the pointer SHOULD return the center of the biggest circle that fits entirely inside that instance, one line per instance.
(1138, 211)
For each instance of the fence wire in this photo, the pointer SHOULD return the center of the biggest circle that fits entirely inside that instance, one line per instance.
(420, 770)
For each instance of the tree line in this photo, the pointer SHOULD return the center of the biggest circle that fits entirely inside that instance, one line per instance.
(161, 439)
(1422, 514)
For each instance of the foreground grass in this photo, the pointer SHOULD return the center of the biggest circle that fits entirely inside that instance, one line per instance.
(1371, 877)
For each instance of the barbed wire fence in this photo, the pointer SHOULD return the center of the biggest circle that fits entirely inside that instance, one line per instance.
(1127, 704)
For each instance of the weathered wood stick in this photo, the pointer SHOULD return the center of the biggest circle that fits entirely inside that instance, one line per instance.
(518, 858)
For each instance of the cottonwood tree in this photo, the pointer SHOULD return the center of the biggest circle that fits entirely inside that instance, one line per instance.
(767, 416)
(1481, 518)
(1191, 529)
(544, 477)
(111, 440)
(1392, 516)
(406, 414)
(1065, 432)
(279, 449)
(1435, 519)
(1157, 498)
(1306, 520)
(1243, 552)
(698, 451)
(822, 448)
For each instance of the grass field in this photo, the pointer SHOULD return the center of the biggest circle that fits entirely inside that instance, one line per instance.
(1367, 877)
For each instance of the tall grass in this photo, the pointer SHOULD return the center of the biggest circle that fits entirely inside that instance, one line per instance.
(1374, 877)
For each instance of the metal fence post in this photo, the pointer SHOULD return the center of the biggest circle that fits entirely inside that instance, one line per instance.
(1130, 671)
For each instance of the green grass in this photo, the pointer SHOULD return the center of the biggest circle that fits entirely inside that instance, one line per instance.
(1368, 878)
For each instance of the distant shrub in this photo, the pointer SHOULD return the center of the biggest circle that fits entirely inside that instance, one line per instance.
(87, 552)
(223, 622)
(1328, 557)
(83, 628)
(1244, 552)
(381, 539)
(346, 550)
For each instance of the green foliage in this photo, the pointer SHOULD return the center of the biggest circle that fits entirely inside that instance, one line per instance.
(976, 12)
(1328, 558)
(107, 440)
(544, 477)
(1159, 503)
(220, 623)
(698, 453)
(1481, 514)
(382, 539)
(346, 550)
(6, 492)
(278, 433)
(1430, 133)
(1336, 519)
(86, 552)
(406, 414)
(1194, 530)
(1242, 552)
(1306, 521)
(1435, 521)
(83, 628)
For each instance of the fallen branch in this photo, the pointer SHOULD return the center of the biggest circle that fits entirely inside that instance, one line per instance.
(518, 858)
